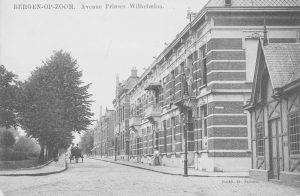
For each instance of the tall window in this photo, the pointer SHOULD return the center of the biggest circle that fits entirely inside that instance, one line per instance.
(138, 146)
(165, 135)
(294, 133)
(260, 140)
(203, 63)
(172, 85)
(204, 119)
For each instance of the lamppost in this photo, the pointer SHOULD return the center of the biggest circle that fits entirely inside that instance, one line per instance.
(187, 99)
(185, 145)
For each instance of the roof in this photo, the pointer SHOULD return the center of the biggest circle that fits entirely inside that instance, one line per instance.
(255, 3)
(283, 63)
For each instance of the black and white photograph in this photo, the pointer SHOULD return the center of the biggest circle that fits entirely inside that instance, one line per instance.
(149, 97)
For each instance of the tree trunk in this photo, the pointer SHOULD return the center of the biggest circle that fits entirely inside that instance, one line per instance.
(41, 156)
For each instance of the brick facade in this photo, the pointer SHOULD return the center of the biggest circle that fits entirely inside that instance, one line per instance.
(196, 89)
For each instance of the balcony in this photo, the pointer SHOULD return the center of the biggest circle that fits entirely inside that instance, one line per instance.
(134, 121)
(153, 86)
(153, 112)
(186, 102)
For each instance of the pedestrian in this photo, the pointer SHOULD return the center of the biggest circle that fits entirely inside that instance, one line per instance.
(156, 156)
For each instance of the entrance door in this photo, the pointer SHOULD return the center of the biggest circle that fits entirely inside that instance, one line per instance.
(275, 148)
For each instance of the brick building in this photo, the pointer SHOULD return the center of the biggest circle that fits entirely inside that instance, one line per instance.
(122, 108)
(197, 86)
(275, 113)
(104, 134)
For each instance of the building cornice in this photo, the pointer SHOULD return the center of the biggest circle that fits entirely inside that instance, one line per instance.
(198, 17)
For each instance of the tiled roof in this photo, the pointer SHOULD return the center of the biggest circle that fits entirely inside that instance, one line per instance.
(283, 63)
(255, 3)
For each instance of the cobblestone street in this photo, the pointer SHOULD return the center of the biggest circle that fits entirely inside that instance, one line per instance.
(95, 177)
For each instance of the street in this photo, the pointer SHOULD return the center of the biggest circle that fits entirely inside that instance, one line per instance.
(95, 177)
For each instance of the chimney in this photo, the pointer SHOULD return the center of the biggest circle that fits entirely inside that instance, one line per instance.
(134, 72)
(227, 3)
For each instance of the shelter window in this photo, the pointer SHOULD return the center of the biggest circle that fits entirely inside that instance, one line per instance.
(294, 133)
(260, 141)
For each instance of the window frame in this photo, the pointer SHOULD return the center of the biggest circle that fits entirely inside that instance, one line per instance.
(297, 113)
(260, 137)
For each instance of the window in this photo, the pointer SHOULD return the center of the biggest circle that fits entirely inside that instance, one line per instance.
(203, 62)
(260, 140)
(165, 135)
(138, 145)
(172, 84)
(294, 133)
(173, 130)
(182, 67)
(204, 72)
(195, 56)
(204, 119)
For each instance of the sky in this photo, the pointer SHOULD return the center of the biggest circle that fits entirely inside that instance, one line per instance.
(105, 42)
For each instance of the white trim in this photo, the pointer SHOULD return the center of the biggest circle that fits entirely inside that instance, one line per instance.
(226, 114)
(211, 138)
(252, 27)
(224, 150)
(199, 139)
(227, 126)
(225, 50)
(226, 82)
(233, 90)
(225, 61)
(226, 71)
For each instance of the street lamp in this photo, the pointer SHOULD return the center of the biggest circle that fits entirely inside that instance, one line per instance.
(186, 145)
(186, 101)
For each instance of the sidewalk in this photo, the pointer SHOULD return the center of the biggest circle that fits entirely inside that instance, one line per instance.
(51, 168)
(175, 170)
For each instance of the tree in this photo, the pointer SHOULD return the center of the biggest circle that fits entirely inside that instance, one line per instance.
(87, 142)
(27, 145)
(9, 88)
(7, 139)
(55, 103)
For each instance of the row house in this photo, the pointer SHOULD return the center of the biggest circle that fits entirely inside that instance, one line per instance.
(97, 139)
(122, 108)
(275, 114)
(196, 88)
(104, 134)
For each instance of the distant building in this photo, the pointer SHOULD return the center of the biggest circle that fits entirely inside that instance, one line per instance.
(122, 108)
(275, 114)
(104, 135)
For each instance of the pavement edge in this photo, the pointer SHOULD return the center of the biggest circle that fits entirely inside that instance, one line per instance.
(168, 173)
(41, 173)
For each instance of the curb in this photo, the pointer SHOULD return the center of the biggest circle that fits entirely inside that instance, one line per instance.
(168, 173)
(40, 174)
(37, 167)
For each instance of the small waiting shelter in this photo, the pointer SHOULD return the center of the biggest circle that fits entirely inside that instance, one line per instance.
(275, 113)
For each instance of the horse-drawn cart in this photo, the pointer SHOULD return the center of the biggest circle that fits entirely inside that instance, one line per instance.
(75, 154)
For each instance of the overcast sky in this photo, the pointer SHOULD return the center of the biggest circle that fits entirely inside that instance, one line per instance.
(105, 42)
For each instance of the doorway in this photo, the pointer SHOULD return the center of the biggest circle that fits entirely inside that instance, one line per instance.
(275, 146)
